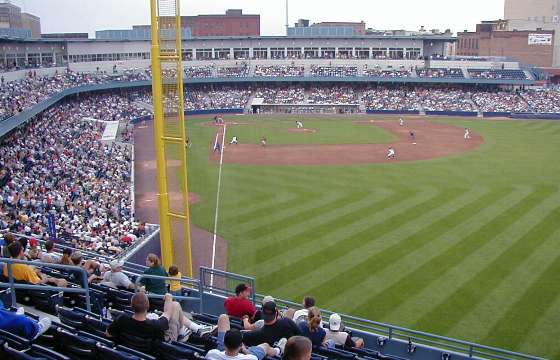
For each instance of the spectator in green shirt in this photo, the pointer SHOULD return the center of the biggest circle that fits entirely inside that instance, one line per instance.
(155, 286)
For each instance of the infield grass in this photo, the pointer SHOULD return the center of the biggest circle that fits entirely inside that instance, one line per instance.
(466, 246)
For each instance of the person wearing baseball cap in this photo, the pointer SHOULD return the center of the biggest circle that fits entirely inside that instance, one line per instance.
(240, 305)
(230, 345)
(337, 337)
(275, 327)
(115, 277)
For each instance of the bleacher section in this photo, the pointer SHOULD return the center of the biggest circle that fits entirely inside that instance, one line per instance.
(497, 74)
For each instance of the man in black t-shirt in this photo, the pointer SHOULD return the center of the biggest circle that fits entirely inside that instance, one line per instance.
(137, 331)
(274, 329)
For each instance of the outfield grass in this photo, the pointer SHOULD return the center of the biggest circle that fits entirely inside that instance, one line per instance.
(466, 247)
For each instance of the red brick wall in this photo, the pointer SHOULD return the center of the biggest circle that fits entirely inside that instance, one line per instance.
(512, 44)
(221, 25)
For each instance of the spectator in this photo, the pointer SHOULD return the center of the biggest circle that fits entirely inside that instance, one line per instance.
(155, 286)
(65, 259)
(8, 239)
(257, 321)
(137, 331)
(301, 315)
(230, 345)
(175, 287)
(33, 253)
(240, 305)
(19, 324)
(274, 329)
(49, 255)
(312, 328)
(24, 272)
(116, 278)
(335, 336)
(298, 348)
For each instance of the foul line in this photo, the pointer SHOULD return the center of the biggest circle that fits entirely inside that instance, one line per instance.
(218, 192)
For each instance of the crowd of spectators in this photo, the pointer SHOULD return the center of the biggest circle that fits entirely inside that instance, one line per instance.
(333, 71)
(282, 95)
(499, 101)
(233, 71)
(395, 98)
(279, 70)
(441, 73)
(543, 100)
(332, 95)
(446, 99)
(387, 73)
(198, 72)
(57, 166)
(224, 97)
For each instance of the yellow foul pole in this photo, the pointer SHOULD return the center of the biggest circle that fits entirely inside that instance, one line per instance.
(170, 134)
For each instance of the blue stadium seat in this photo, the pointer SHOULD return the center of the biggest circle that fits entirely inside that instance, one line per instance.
(74, 345)
(14, 341)
(45, 353)
(168, 351)
(8, 352)
(108, 353)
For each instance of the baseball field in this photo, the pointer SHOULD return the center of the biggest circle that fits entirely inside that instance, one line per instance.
(456, 237)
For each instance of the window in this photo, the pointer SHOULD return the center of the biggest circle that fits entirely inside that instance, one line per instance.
(277, 53)
(379, 53)
(221, 53)
(203, 54)
(362, 53)
(328, 53)
(241, 53)
(311, 52)
(260, 53)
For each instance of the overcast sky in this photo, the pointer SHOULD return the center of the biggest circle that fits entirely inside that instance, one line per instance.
(91, 15)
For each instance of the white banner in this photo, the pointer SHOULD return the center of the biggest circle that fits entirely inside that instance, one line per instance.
(540, 39)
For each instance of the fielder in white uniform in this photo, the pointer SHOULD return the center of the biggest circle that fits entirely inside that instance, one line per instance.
(234, 140)
(401, 122)
(299, 124)
(467, 133)
(391, 154)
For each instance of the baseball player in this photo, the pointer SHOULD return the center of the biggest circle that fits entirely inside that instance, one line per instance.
(217, 147)
(401, 122)
(467, 134)
(413, 137)
(299, 125)
(234, 140)
(263, 141)
(391, 154)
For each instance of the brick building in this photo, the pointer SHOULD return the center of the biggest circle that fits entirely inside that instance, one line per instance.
(233, 23)
(492, 38)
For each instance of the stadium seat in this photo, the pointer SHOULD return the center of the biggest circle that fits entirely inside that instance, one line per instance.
(45, 353)
(14, 341)
(11, 353)
(108, 353)
(168, 351)
(74, 345)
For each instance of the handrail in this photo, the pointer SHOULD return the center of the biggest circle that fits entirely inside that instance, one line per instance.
(12, 285)
(191, 282)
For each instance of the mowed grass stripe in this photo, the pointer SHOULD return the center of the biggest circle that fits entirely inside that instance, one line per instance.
(546, 333)
(310, 212)
(346, 253)
(481, 283)
(422, 271)
(415, 305)
(508, 292)
(296, 239)
(354, 230)
(536, 298)
(393, 259)
(274, 216)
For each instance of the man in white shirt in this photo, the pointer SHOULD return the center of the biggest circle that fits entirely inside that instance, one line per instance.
(301, 315)
(337, 337)
(49, 256)
(115, 277)
(230, 345)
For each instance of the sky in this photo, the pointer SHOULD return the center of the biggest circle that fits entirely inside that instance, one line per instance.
(91, 15)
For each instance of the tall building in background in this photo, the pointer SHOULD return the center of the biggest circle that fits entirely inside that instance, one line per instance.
(10, 16)
(533, 10)
(18, 24)
(233, 23)
(31, 22)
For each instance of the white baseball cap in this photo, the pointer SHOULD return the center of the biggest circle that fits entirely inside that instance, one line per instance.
(116, 264)
(334, 322)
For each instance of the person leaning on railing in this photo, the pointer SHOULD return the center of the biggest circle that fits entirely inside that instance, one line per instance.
(27, 273)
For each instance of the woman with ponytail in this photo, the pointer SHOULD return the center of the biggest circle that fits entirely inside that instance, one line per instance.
(313, 328)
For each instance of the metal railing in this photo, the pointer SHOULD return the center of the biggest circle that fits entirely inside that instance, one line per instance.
(192, 284)
(227, 281)
(13, 286)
